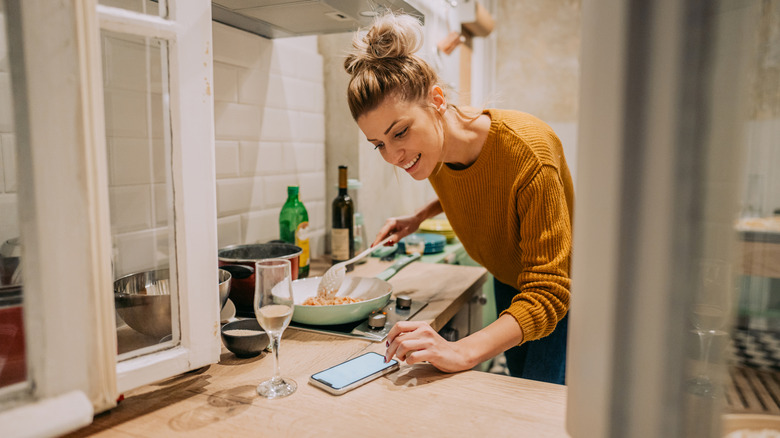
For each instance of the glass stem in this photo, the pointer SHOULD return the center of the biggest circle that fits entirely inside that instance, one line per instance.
(705, 343)
(276, 338)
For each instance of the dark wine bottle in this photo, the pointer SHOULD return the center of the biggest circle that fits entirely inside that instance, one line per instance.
(342, 228)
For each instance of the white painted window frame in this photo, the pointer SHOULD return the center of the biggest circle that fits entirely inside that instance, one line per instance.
(187, 30)
(63, 207)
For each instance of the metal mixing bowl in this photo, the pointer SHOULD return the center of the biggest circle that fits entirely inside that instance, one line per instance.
(143, 301)
(224, 287)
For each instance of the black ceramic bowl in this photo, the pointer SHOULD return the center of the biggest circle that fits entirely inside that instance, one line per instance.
(237, 338)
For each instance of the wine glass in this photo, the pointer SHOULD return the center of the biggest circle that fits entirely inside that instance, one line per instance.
(273, 306)
(710, 317)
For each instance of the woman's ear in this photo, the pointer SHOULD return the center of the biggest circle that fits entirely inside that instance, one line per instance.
(437, 99)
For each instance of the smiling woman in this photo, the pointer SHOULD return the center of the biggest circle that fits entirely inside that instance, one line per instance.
(507, 165)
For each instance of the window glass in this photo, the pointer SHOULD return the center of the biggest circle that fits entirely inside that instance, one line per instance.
(140, 192)
(150, 7)
(13, 368)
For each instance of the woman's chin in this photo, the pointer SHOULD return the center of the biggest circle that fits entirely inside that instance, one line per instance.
(419, 174)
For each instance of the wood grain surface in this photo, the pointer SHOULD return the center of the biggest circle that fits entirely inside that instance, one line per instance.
(220, 400)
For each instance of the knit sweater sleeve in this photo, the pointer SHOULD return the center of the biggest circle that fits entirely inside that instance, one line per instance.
(545, 233)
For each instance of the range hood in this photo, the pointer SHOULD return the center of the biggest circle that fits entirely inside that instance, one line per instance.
(285, 18)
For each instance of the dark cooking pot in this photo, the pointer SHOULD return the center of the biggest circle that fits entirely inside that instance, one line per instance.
(12, 353)
(240, 260)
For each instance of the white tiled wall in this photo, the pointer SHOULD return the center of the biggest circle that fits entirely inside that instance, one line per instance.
(138, 163)
(269, 120)
(270, 132)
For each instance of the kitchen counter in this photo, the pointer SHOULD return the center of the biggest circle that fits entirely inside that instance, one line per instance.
(220, 400)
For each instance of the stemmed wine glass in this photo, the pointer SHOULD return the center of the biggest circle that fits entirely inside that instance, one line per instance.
(273, 306)
(710, 317)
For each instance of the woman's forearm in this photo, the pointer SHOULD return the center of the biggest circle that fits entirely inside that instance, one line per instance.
(430, 210)
(501, 335)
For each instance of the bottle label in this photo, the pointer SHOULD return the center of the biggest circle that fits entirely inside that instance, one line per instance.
(339, 242)
(302, 240)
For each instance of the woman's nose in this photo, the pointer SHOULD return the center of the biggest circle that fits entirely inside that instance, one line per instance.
(394, 155)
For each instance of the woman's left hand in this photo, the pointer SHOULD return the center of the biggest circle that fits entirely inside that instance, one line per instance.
(415, 342)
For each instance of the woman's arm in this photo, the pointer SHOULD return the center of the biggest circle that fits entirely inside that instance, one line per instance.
(399, 227)
(417, 342)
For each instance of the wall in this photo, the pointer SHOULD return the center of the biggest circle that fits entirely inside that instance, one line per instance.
(269, 125)
(386, 191)
(270, 133)
(537, 64)
(762, 175)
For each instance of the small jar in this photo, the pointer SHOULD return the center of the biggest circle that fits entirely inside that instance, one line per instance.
(414, 244)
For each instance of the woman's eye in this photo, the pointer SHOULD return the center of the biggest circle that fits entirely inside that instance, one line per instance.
(379, 146)
(402, 133)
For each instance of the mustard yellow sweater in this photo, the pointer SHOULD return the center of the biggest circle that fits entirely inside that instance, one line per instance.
(512, 211)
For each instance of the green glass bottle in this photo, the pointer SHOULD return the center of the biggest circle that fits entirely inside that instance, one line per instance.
(293, 227)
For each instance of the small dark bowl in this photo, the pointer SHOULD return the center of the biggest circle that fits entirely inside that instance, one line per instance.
(245, 345)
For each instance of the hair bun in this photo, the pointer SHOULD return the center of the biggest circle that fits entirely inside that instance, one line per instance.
(393, 36)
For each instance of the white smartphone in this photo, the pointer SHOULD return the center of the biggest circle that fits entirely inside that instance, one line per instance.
(348, 375)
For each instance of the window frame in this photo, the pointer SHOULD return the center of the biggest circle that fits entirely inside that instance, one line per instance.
(63, 207)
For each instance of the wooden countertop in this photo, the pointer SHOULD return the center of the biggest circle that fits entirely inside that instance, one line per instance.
(220, 400)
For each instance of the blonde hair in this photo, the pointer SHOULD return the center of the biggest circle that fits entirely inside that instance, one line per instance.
(382, 62)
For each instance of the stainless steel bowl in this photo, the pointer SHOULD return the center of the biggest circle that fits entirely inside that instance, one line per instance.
(143, 301)
(224, 287)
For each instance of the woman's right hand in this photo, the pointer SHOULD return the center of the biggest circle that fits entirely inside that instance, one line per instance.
(397, 228)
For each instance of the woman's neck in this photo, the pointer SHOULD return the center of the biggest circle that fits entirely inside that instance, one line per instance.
(465, 137)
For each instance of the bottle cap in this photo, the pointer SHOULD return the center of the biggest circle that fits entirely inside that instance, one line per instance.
(354, 184)
(292, 190)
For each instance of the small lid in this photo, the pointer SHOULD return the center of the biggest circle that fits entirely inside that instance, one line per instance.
(403, 302)
(377, 320)
(292, 190)
(353, 184)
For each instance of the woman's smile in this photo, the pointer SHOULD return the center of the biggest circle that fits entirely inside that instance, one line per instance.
(408, 166)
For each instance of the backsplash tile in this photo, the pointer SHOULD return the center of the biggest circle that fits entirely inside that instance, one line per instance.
(227, 159)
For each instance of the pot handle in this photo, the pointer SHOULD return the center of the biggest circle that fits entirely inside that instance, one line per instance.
(239, 272)
(397, 266)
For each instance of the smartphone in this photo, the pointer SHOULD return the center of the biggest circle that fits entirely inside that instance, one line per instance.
(349, 375)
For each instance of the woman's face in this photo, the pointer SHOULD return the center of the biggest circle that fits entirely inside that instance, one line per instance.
(407, 134)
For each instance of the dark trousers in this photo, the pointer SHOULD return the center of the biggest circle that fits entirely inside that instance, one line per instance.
(543, 359)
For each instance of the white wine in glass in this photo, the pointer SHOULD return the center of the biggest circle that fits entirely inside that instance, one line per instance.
(273, 306)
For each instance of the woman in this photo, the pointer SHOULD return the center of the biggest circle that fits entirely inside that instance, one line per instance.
(502, 181)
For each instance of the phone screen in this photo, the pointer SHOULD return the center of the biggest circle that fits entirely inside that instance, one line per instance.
(343, 374)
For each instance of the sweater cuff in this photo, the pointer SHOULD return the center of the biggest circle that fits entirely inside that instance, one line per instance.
(526, 321)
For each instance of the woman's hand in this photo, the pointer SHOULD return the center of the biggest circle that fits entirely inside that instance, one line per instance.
(415, 342)
(397, 228)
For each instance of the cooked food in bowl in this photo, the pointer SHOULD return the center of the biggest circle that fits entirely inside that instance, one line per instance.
(319, 301)
(367, 293)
